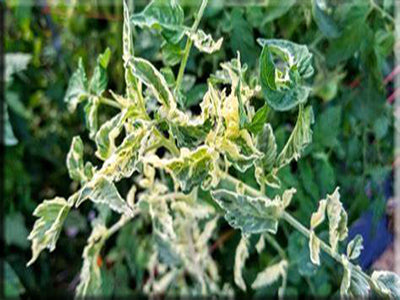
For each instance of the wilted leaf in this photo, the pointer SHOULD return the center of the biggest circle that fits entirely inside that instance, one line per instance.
(337, 219)
(204, 42)
(270, 275)
(241, 255)
(314, 245)
(319, 216)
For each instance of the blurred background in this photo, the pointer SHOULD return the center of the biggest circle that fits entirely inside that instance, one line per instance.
(352, 143)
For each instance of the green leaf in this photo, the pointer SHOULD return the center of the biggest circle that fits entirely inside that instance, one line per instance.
(276, 9)
(327, 127)
(242, 37)
(90, 277)
(171, 54)
(9, 138)
(193, 168)
(13, 287)
(154, 80)
(241, 255)
(98, 82)
(204, 42)
(15, 232)
(267, 72)
(46, 230)
(75, 163)
(284, 86)
(355, 247)
(101, 190)
(77, 90)
(324, 20)
(251, 215)
(165, 16)
(300, 137)
(260, 118)
(266, 144)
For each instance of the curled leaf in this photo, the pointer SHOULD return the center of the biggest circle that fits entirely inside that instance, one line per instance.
(355, 247)
(204, 42)
(284, 86)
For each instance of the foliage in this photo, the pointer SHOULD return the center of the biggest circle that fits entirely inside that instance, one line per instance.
(179, 141)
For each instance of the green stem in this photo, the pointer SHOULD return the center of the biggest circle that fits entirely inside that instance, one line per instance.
(110, 102)
(188, 46)
(121, 223)
(275, 244)
(290, 220)
(382, 11)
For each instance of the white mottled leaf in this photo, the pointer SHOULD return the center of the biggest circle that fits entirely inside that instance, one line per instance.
(46, 230)
(355, 247)
(300, 137)
(204, 42)
(270, 275)
(319, 216)
(90, 282)
(101, 190)
(337, 219)
(386, 283)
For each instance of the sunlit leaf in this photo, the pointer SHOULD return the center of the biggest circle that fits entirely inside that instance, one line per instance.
(46, 230)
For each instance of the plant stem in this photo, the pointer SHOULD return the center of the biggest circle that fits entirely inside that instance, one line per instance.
(292, 221)
(109, 102)
(189, 43)
(382, 11)
(121, 223)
